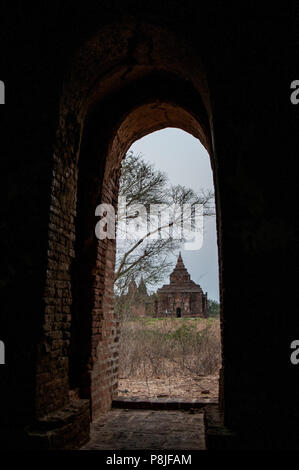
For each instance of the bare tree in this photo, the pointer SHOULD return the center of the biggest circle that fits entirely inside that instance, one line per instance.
(146, 252)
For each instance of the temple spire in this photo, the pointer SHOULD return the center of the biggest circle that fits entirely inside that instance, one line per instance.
(180, 271)
(132, 286)
(180, 262)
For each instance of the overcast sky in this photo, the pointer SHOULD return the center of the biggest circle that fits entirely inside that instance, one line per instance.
(186, 162)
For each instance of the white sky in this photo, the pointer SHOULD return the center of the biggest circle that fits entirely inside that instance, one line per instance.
(184, 159)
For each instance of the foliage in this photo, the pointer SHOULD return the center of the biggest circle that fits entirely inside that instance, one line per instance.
(213, 308)
(165, 347)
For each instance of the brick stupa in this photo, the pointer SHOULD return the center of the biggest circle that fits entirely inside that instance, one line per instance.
(182, 297)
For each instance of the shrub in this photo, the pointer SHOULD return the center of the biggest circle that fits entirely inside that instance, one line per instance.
(164, 347)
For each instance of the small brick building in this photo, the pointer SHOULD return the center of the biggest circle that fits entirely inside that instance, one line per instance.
(182, 297)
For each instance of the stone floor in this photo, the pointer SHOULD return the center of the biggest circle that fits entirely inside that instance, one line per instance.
(122, 429)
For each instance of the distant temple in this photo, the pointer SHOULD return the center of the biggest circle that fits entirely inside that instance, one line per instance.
(182, 297)
(138, 298)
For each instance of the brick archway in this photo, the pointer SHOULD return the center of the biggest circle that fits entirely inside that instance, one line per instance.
(97, 126)
(95, 329)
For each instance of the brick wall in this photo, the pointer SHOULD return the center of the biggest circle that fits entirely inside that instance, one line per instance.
(80, 343)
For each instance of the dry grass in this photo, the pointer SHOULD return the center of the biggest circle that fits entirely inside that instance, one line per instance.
(169, 350)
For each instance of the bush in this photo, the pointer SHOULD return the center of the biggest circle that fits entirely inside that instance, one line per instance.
(213, 308)
(163, 347)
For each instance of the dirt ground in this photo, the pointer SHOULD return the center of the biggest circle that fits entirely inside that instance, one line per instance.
(172, 387)
(150, 367)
